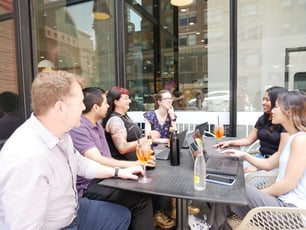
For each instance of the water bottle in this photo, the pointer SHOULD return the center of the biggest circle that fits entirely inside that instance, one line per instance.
(174, 149)
(199, 175)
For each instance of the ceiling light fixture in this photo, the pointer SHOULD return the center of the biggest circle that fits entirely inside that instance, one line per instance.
(181, 2)
(100, 10)
(45, 65)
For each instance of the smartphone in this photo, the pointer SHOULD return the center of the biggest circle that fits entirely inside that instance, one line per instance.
(220, 179)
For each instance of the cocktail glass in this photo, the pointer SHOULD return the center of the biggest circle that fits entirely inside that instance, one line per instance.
(219, 133)
(144, 152)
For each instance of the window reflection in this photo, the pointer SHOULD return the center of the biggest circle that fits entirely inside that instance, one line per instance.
(74, 40)
(6, 7)
(192, 50)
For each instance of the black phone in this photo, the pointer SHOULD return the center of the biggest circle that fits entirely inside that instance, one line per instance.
(220, 179)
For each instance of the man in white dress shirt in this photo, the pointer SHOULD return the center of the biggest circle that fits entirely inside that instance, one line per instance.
(39, 166)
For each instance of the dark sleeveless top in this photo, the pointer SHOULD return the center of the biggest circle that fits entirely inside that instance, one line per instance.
(269, 136)
(133, 133)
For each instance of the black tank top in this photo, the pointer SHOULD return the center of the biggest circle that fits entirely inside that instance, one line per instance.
(133, 133)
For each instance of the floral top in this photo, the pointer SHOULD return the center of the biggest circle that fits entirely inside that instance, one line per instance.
(155, 125)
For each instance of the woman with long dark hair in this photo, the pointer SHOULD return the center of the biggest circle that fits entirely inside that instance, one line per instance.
(271, 136)
(289, 187)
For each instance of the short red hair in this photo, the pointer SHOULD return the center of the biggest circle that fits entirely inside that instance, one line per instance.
(121, 90)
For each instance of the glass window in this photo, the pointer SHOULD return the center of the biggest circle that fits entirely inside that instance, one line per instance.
(140, 56)
(77, 38)
(183, 40)
(6, 7)
(10, 101)
(196, 60)
(183, 20)
(263, 42)
(192, 39)
(192, 19)
(196, 74)
(204, 62)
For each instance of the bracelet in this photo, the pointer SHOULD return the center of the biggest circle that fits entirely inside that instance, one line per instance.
(173, 119)
(116, 172)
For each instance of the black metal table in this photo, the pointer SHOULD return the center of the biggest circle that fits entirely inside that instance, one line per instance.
(177, 181)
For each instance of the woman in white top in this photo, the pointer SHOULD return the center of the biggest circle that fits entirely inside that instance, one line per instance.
(289, 188)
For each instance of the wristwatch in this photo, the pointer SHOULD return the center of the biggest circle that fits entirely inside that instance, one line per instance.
(116, 172)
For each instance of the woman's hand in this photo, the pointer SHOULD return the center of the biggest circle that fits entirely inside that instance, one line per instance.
(222, 145)
(154, 134)
(234, 153)
(152, 162)
(171, 112)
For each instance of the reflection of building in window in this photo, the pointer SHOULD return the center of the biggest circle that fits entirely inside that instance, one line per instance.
(65, 46)
(188, 19)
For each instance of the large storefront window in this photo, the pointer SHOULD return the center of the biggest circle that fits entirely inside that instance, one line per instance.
(204, 57)
(186, 48)
(165, 47)
(77, 38)
(181, 44)
(139, 56)
(271, 47)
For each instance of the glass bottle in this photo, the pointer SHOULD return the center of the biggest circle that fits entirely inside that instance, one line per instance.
(174, 149)
(199, 175)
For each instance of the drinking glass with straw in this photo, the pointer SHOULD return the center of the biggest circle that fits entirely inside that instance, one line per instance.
(218, 132)
(144, 152)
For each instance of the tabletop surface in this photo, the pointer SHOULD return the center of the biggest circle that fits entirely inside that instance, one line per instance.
(177, 181)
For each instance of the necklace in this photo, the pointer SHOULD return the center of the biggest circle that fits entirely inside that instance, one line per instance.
(161, 118)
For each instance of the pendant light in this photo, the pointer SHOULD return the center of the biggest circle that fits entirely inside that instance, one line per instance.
(100, 10)
(181, 2)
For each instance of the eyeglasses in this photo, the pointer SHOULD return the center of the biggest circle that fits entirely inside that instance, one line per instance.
(167, 98)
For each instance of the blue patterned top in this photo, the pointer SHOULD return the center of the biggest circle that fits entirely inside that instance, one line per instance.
(162, 129)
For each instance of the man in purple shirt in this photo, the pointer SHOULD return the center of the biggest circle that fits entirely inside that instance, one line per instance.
(89, 140)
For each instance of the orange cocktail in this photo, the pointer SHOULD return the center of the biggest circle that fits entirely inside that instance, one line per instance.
(143, 153)
(219, 132)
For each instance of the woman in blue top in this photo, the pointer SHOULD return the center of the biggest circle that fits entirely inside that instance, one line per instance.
(289, 188)
(159, 121)
(271, 136)
(157, 124)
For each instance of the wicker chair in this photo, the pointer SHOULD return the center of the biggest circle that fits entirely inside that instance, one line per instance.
(268, 218)
(253, 148)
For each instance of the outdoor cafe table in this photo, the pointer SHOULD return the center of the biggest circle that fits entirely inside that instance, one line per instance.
(177, 181)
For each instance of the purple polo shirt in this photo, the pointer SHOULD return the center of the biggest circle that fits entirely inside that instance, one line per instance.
(85, 137)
